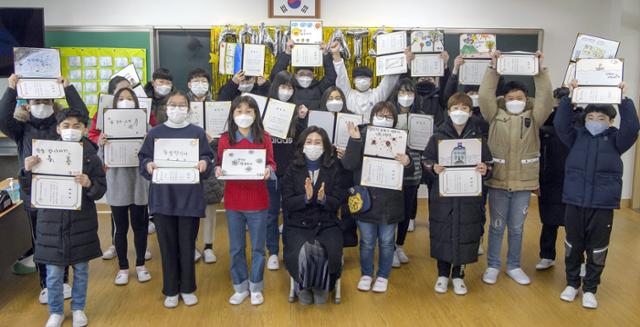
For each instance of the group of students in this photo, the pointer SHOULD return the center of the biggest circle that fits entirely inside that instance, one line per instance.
(307, 178)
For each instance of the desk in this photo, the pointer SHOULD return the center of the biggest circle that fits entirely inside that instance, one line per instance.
(15, 233)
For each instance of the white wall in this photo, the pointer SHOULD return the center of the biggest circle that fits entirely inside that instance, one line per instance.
(561, 21)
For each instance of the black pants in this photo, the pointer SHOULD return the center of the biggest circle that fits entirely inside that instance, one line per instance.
(41, 268)
(410, 193)
(139, 223)
(446, 270)
(485, 193)
(548, 238)
(177, 239)
(587, 230)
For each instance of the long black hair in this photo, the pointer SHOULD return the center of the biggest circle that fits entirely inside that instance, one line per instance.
(281, 78)
(256, 128)
(327, 155)
(327, 94)
(406, 84)
(117, 95)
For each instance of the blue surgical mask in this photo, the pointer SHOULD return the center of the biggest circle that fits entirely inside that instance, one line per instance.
(596, 127)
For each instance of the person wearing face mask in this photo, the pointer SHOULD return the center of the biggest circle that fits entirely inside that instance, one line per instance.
(199, 85)
(387, 206)
(240, 84)
(307, 89)
(312, 194)
(429, 97)
(361, 99)
(157, 90)
(69, 237)
(177, 208)
(514, 123)
(23, 124)
(454, 222)
(592, 187)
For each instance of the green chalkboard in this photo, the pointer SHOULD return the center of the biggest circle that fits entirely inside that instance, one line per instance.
(181, 51)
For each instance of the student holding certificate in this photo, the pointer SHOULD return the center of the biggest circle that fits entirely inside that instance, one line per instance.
(158, 89)
(246, 201)
(199, 84)
(69, 237)
(240, 84)
(514, 121)
(429, 93)
(454, 221)
(23, 124)
(378, 224)
(177, 208)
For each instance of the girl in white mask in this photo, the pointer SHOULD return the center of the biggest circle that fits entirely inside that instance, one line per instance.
(199, 84)
(333, 100)
(177, 111)
(282, 87)
(41, 108)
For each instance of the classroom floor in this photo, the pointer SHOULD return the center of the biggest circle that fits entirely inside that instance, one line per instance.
(410, 300)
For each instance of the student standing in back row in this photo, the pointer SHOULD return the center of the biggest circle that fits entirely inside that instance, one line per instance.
(240, 84)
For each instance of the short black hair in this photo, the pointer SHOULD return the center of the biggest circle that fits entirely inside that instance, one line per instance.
(362, 71)
(297, 69)
(78, 114)
(561, 92)
(470, 88)
(162, 73)
(199, 72)
(406, 84)
(606, 109)
(514, 86)
(114, 82)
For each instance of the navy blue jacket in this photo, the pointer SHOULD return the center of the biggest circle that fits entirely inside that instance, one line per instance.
(593, 170)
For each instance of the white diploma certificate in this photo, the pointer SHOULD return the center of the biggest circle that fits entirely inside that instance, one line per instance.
(385, 142)
(36, 88)
(56, 192)
(125, 123)
(243, 164)
(106, 101)
(323, 119)
(253, 59)
(277, 118)
(57, 157)
(460, 182)
(382, 173)
(216, 117)
(122, 153)
(589, 46)
(427, 65)
(597, 95)
(130, 74)
(420, 131)
(342, 133)
(459, 152)
(176, 153)
(518, 64)
(472, 71)
(306, 55)
(570, 74)
(599, 72)
(36, 62)
(196, 114)
(387, 43)
(391, 64)
(176, 176)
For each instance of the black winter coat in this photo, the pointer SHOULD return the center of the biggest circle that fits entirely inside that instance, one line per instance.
(455, 223)
(230, 91)
(68, 237)
(158, 104)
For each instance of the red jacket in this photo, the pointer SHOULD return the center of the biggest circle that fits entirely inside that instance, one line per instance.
(242, 195)
(94, 133)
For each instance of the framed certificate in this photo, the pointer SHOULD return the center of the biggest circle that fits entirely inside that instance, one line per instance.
(122, 153)
(175, 153)
(388, 43)
(323, 119)
(57, 157)
(196, 114)
(385, 142)
(306, 31)
(518, 64)
(243, 164)
(460, 152)
(420, 131)
(38, 88)
(176, 176)
(599, 72)
(294, 9)
(253, 59)
(341, 138)
(476, 45)
(589, 46)
(277, 118)
(125, 123)
(306, 55)
(56, 192)
(382, 173)
(460, 182)
(391, 64)
(597, 95)
(472, 71)
(427, 65)
(216, 117)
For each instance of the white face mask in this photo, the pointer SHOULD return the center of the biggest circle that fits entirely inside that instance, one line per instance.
(406, 100)
(199, 88)
(459, 117)
(474, 100)
(245, 87)
(162, 90)
(335, 105)
(71, 135)
(304, 81)
(515, 106)
(126, 104)
(177, 115)
(41, 111)
(313, 152)
(363, 83)
(243, 121)
(382, 122)
(284, 94)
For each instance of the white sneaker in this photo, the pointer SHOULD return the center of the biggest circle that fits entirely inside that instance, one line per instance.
(66, 291)
(238, 298)
(412, 225)
(396, 261)
(147, 255)
(569, 294)
(43, 298)
(122, 277)
(197, 256)
(143, 274)
(273, 263)
(152, 229)
(80, 319)
(365, 283)
(442, 284)
(545, 264)
(257, 298)
(171, 301)
(459, 288)
(110, 253)
(589, 300)
(380, 286)
(280, 228)
(519, 276)
(490, 275)
(189, 299)
(209, 256)
(55, 320)
(480, 249)
(583, 270)
(401, 255)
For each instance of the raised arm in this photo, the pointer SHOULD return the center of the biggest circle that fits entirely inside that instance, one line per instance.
(9, 125)
(563, 122)
(282, 61)
(488, 87)
(543, 104)
(629, 126)
(330, 75)
(145, 156)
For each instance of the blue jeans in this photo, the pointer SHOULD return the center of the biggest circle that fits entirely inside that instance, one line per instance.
(257, 222)
(384, 235)
(55, 276)
(507, 209)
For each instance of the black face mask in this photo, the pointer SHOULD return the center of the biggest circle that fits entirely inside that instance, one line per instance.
(425, 87)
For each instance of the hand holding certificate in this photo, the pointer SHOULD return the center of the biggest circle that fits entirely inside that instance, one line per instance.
(472, 71)
(58, 157)
(342, 132)
(306, 55)
(427, 65)
(253, 59)
(385, 142)
(382, 173)
(31, 88)
(56, 192)
(122, 153)
(125, 123)
(518, 64)
(217, 114)
(277, 118)
(196, 114)
(420, 131)
(176, 161)
(243, 164)
(460, 182)
(598, 81)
